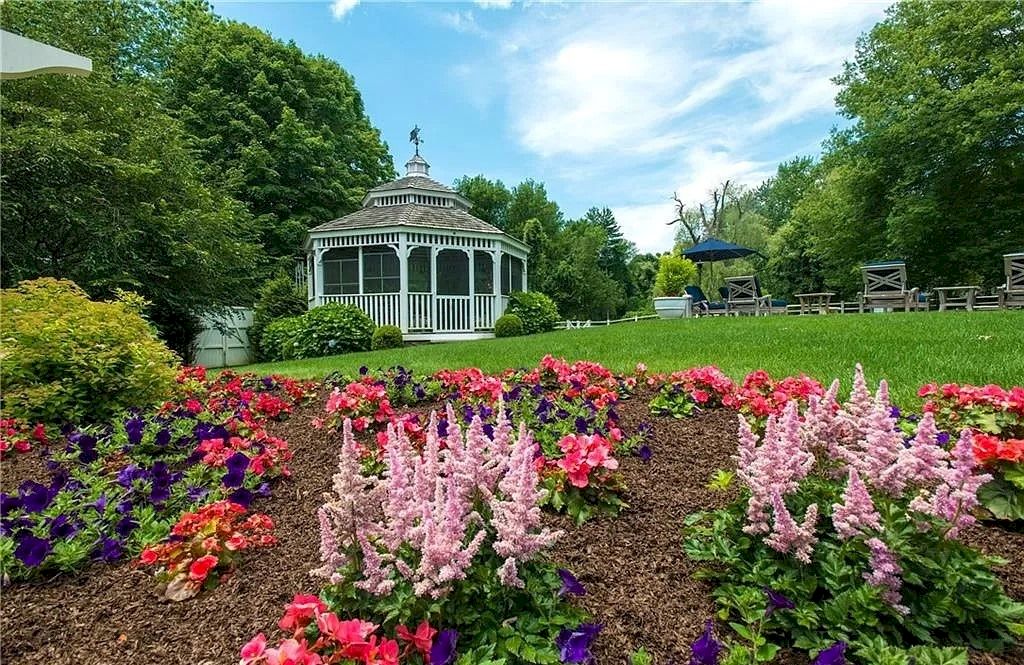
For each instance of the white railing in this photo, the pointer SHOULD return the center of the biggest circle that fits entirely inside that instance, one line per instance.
(452, 314)
(421, 311)
(381, 307)
(483, 312)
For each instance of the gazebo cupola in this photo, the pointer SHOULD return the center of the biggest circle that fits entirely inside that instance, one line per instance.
(414, 257)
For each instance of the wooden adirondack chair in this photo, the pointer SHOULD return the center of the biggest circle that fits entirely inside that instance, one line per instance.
(885, 286)
(744, 296)
(1011, 294)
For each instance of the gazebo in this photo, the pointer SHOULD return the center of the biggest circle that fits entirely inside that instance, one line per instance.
(414, 257)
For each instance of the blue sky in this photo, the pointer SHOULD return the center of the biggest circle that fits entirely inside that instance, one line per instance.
(609, 104)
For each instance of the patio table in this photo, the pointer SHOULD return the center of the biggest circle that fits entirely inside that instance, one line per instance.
(819, 301)
(956, 296)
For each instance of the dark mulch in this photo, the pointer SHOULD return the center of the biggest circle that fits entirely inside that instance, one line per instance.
(19, 467)
(640, 586)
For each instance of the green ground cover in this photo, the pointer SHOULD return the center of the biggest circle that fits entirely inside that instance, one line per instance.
(907, 349)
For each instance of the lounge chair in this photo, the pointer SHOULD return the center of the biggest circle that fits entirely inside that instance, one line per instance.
(1011, 294)
(885, 287)
(743, 295)
(701, 305)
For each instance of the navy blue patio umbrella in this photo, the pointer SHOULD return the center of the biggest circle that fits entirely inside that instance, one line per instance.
(713, 249)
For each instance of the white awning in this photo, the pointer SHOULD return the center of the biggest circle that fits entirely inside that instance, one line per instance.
(21, 57)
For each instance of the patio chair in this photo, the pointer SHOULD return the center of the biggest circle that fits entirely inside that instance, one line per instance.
(744, 296)
(885, 287)
(701, 305)
(1011, 294)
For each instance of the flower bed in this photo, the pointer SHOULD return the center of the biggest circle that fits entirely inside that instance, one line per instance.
(112, 490)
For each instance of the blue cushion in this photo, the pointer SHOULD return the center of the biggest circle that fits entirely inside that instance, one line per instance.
(779, 303)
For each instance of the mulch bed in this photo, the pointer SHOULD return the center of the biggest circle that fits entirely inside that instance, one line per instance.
(640, 586)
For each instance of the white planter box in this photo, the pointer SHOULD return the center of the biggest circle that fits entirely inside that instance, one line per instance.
(673, 308)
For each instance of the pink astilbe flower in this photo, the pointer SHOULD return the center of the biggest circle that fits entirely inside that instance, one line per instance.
(777, 465)
(787, 536)
(885, 574)
(857, 513)
(422, 519)
(921, 463)
(956, 496)
(516, 512)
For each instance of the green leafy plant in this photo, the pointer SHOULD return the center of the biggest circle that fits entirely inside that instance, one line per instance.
(279, 340)
(322, 331)
(68, 358)
(509, 325)
(279, 298)
(640, 657)
(386, 337)
(674, 273)
(537, 311)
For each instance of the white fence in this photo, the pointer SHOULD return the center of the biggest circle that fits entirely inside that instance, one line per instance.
(570, 325)
(224, 341)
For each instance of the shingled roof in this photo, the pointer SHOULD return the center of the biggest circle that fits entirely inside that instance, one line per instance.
(410, 214)
(414, 182)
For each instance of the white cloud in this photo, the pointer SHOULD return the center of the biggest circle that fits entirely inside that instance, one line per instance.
(494, 4)
(462, 21)
(339, 8)
(672, 97)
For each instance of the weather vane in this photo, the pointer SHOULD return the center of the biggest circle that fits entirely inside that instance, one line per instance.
(414, 137)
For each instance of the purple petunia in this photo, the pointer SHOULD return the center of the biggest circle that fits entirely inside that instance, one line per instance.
(125, 526)
(488, 430)
(111, 549)
(442, 427)
(942, 438)
(134, 428)
(582, 426)
(442, 651)
(263, 490)
(834, 655)
(242, 497)
(236, 464)
(574, 645)
(776, 602)
(34, 496)
(129, 474)
(62, 527)
(644, 453)
(706, 650)
(123, 507)
(32, 551)
(268, 382)
(570, 585)
(163, 437)
(363, 370)
(9, 503)
(196, 493)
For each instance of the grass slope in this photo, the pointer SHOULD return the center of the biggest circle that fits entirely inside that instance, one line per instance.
(906, 349)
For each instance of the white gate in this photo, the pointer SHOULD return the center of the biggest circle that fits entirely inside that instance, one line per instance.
(224, 341)
(454, 314)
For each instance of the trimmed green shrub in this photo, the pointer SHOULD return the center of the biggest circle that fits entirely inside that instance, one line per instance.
(279, 298)
(537, 311)
(322, 331)
(674, 273)
(66, 358)
(509, 325)
(386, 337)
(280, 338)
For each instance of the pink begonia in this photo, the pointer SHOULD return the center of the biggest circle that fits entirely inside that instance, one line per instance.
(787, 536)
(857, 513)
(956, 495)
(885, 574)
(421, 519)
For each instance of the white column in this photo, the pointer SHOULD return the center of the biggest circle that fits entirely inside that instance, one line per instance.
(496, 272)
(359, 249)
(433, 287)
(525, 288)
(319, 272)
(472, 288)
(403, 283)
(310, 278)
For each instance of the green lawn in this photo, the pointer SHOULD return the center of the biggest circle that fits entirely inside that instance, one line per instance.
(906, 349)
